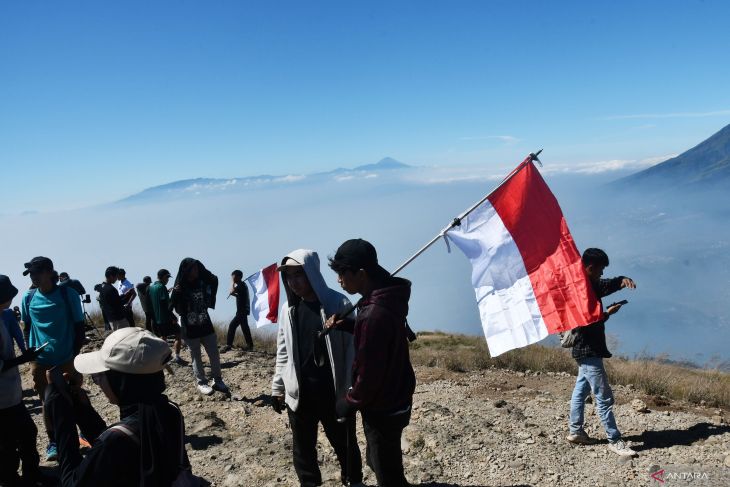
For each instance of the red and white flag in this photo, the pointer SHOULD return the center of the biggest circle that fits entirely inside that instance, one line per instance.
(526, 270)
(265, 300)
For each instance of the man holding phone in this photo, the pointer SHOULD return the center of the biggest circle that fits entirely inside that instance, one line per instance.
(52, 314)
(589, 351)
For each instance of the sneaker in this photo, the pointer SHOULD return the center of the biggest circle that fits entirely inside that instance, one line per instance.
(51, 452)
(580, 438)
(226, 348)
(221, 386)
(205, 389)
(621, 448)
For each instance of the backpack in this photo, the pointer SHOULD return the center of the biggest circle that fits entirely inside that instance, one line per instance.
(79, 326)
(567, 338)
(185, 477)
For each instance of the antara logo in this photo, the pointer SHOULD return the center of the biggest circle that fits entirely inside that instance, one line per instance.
(658, 476)
(662, 476)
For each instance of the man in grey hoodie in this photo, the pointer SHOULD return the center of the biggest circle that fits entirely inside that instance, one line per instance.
(310, 376)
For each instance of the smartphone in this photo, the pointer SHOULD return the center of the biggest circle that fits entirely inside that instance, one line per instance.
(622, 302)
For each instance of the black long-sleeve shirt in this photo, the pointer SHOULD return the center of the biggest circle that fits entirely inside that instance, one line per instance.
(590, 340)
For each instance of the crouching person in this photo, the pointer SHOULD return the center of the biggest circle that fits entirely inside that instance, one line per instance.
(147, 447)
(383, 378)
(312, 373)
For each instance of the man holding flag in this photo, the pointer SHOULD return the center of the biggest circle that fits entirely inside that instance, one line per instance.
(383, 378)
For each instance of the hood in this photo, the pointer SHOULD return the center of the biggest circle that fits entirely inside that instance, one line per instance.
(208, 278)
(330, 299)
(394, 296)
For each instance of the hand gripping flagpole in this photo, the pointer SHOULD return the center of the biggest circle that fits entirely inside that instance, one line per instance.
(454, 223)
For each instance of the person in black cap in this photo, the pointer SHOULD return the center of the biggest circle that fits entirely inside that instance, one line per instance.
(383, 378)
(54, 317)
(111, 301)
(19, 433)
(243, 308)
(164, 320)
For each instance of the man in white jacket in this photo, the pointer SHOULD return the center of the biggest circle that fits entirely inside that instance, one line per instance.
(311, 375)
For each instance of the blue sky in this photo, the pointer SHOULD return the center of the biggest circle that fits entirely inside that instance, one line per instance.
(99, 100)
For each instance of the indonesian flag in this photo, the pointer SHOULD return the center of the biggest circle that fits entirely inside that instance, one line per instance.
(526, 270)
(265, 301)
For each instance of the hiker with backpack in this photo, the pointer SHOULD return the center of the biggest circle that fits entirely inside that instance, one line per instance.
(147, 447)
(194, 292)
(54, 317)
(144, 300)
(383, 379)
(19, 433)
(589, 349)
(307, 382)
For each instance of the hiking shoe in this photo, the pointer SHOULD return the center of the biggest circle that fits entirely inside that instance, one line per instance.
(226, 348)
(205, 389)
(51, 452)
(221, 386)
(580, 438)
(179, 360)
(621, 448)
(83, 443)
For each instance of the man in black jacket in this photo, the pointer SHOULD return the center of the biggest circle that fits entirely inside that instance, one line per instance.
(243, 309)
(383, 379)
(589, 351)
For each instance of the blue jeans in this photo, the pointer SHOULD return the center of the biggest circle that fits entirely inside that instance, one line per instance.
(592, 377)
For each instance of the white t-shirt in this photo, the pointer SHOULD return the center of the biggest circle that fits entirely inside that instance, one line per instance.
(124, 286)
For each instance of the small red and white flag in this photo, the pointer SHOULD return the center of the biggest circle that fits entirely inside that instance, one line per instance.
(526, 270)
(265, 300)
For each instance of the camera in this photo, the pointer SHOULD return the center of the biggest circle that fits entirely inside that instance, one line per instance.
(86, 299)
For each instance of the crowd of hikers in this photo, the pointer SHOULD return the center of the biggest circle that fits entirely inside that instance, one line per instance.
(333, 358)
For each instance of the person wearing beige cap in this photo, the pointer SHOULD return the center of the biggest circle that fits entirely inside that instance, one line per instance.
(146, 447)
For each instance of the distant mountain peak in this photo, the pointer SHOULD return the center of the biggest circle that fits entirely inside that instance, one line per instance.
(198, 186)
(384, 163)
(706, 164)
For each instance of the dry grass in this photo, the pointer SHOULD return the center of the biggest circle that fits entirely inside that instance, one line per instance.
(460, 353)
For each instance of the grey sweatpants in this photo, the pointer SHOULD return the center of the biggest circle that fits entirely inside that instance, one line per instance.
(210, 343)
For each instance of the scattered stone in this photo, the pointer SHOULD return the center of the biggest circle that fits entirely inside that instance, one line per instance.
(500, 403)
(639, 406)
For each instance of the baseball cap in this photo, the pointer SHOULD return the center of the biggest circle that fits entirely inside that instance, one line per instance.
(288, 262)
(358, 253)
(163, 273)
(38, 264)
(7, 290)
(130, 350)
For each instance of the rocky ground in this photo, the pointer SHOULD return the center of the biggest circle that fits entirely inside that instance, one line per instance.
(493, 427)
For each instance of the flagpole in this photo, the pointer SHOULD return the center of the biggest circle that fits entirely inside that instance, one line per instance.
(457, 221)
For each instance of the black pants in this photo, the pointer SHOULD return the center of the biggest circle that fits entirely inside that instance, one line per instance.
(129, 315)
(17, 443)
(304, 423)
(239, 319)
(383, 454)
(148, 318)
